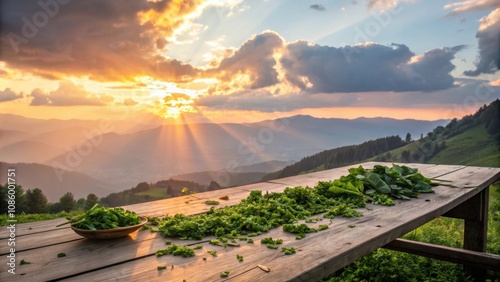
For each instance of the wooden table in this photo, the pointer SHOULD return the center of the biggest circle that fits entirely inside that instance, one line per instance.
(133, 258)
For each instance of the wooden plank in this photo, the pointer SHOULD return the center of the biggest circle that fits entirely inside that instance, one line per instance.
(39, 240)
(475, 259)
(34, 227)
(194, 268)
(84, 255)
(195, 203)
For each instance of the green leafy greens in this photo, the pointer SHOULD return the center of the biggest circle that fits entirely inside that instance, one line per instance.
(260, 213)
(100, 218)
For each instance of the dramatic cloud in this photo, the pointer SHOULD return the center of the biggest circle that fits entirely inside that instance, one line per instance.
(8, 95)
(317, 7)
(367, 67)
(265, 101)
(68, 94)
(488, 34)
(384, 4)
(253, 64)
(103, 40)
(472, 5)
(468, 93)
(488, 37)
(39, 97)
(174, 70)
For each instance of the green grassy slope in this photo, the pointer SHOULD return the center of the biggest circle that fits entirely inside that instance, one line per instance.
(473, 147)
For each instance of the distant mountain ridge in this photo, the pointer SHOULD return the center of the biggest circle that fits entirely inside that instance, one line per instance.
(152, 154)
(55, 183)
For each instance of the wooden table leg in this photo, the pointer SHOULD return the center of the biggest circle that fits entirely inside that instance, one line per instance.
(476, 229)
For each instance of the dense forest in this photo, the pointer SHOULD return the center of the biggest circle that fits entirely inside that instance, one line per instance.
(34, 201)
(340, 156)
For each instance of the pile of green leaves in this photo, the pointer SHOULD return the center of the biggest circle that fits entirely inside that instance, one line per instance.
(260, 213)
(381, 184)
(100, 218)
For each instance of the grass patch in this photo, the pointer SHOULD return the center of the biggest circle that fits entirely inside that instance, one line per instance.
(474, 147)
(26, 218)
(155, 193)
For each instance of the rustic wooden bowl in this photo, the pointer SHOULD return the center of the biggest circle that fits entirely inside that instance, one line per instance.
(109, 233)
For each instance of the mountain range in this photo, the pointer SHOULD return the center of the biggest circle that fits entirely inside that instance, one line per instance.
(120, 154)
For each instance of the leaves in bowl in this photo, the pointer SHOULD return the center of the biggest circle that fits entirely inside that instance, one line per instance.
(101, 218)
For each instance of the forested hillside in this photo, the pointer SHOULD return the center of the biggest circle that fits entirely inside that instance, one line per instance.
(472, 140)
(145, 192)
(340, 156)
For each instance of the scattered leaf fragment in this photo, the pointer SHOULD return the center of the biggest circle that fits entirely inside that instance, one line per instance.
(224, 274)
(23, 262)
(161, 267)
(212, 202)
(351, 225)
(60, 255)
(288, 251)
(322, 227)
(239, 258)
(226, 197)
(176, 250)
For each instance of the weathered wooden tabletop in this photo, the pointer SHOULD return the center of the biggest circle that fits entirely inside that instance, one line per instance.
(133, 258)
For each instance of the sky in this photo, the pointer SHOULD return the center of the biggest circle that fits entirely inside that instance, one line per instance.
(248, 60)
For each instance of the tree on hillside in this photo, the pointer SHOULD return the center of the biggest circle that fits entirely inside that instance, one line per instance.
(67, 202)
(492, 117)
(213, 186)
(408, 137)
(141, 187)
(405, 156)
(3, 199)
(80, 204)
(36, 201)
(169, 190)
(91, 200)
(20, 205)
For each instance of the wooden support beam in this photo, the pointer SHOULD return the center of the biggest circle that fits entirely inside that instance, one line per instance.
(477, 260)
(476, 230)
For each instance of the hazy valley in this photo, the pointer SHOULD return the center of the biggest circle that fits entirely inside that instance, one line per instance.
(107, 156)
